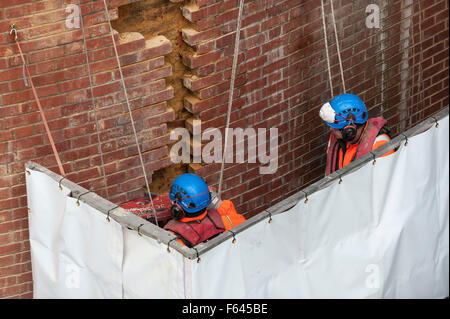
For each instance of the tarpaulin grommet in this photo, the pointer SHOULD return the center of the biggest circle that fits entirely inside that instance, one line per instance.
(198, 258)
(168, 244)
(28, 172)
(270, 216)
(234, 238)
(435, 121)
(406, 139)
(138, 229)
(374, 158)
(107, 213)
(59, 184)
(306, 197)
(78, 199)
(340, 179)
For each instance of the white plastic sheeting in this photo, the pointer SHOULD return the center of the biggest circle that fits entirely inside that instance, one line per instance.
(382, 233)
(75, 252)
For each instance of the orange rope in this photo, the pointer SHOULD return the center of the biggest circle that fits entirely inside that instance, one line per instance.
(52, 143)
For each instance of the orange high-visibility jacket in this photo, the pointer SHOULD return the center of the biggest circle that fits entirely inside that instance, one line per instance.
(337, 158)
(230, 216)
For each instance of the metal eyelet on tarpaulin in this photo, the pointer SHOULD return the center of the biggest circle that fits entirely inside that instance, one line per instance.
(78, 199)
(107, 214)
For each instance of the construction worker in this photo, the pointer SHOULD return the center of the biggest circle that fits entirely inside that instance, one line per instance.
(195, 219)
(353, 133)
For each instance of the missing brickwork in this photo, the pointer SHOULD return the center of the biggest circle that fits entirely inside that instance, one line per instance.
(153, 18)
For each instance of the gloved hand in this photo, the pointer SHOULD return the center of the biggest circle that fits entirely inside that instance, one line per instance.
(216, 201)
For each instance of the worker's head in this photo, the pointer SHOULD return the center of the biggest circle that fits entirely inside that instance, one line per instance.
(190, 196)
(345, 114)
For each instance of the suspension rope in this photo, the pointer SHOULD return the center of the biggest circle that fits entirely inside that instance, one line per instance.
(230, 96)
(337, 47)
(93, 103)
(326, 49)
(129, 112)
(420, 76)
(41, 111)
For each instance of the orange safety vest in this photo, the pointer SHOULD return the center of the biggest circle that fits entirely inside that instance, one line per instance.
(230, 217)
(369, 140)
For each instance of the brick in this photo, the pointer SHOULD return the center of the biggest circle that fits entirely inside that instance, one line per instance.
(193, 37)
(164, 95)
(50, 78)
(103, 65)
(250, 65)
(4, 4)
(195, 105)
(10, 74)
(157, 46)
(205, 47)
(196, 60)
(45, 30)
(106, 89)
(100, 17)
(17, 97)
(130, 42)
(144, 112)
(14, 12)
(142, 67)
(192, 12)
(33, 8)
(206, 70)
(102, 78)
(227, 16)
(73, 85)
(149, 76)
(195, 83)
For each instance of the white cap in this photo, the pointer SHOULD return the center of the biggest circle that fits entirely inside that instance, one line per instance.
(327, 113)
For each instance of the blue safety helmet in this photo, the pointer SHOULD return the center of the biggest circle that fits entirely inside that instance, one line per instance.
(347, 109)
(191, 193)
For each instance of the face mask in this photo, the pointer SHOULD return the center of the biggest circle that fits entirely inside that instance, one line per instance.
(349, 133)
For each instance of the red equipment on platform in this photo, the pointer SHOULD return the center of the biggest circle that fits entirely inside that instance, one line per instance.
(143, 207)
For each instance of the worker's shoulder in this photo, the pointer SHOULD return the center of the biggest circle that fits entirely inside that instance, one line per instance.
(227, 208)
(385, 130)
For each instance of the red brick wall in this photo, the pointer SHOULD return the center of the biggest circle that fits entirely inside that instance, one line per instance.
(281, 82)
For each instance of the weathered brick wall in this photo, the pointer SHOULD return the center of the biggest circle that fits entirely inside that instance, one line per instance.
(56, 59)
(400, 71)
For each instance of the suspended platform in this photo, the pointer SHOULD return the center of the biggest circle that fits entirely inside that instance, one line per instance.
(378, 228)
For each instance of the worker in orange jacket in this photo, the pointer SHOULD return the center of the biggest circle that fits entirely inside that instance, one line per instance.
(353, 133)
(198, 214)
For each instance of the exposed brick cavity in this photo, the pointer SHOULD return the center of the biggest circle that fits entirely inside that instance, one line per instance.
(155, 20)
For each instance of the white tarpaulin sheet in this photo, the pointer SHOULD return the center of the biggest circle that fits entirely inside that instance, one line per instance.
(382, 233)
(77, 253)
